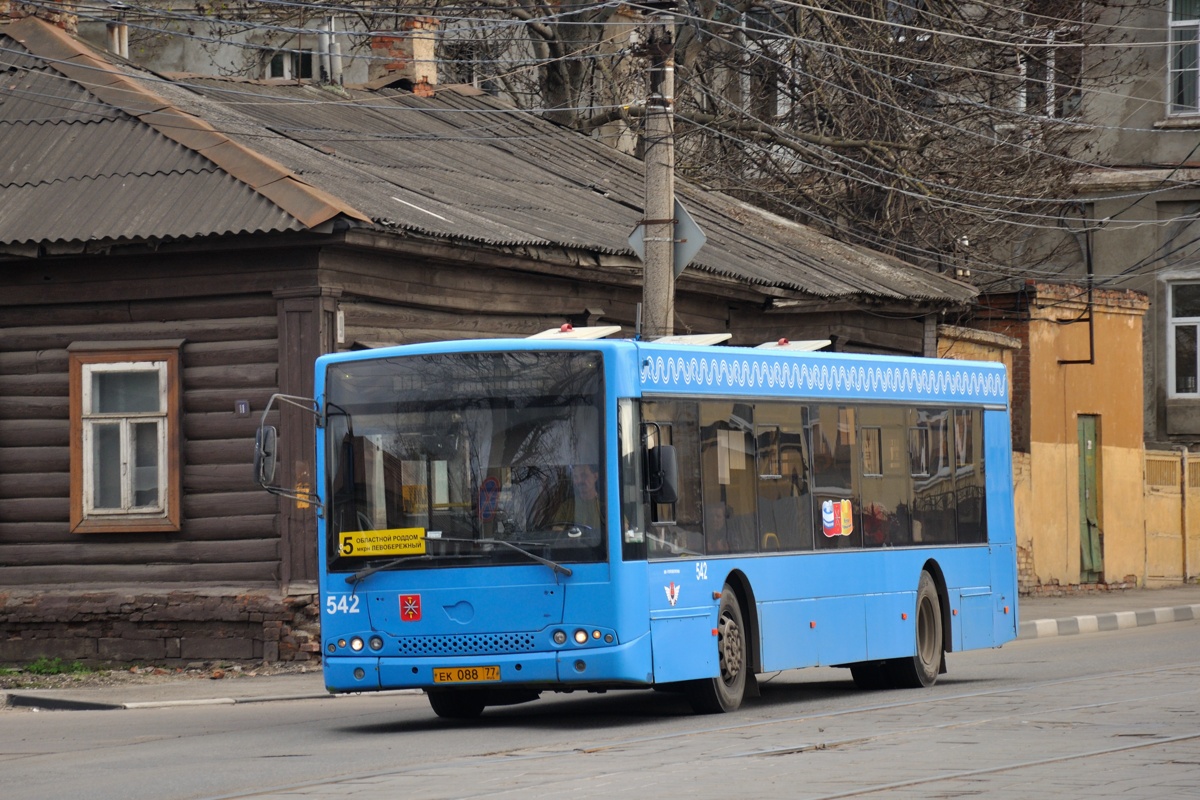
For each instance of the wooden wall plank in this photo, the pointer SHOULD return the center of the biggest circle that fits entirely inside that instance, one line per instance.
(240, 551)
(25, 362)
(232, 376)
(34, 484)
(201, 478)
(191, 275)
(25, 531)
(226, 504)
(41, 337)
(25, 407)
(36, 509)
(35, 433)
(216, 354)
(53, 384)
(215, 529)
(218, 400)
(219, 451)
(221, 425)
(249, 526)
(35, 459)
(142, 574)
(155, 310)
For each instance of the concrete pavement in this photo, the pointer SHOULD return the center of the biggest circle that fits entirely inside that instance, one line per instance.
(1038, 617)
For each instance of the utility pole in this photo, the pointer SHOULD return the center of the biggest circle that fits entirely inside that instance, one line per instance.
(658, 288)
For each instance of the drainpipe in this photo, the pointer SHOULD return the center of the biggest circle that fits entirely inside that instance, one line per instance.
(1183, 515)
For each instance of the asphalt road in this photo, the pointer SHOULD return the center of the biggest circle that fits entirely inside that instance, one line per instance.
(1108, 714)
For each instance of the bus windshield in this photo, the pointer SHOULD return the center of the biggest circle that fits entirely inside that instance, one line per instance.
(467, 458)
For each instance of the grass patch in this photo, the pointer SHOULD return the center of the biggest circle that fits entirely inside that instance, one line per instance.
(55, 666)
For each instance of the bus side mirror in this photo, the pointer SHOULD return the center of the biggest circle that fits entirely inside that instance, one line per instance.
(662, 474)
(265, 450)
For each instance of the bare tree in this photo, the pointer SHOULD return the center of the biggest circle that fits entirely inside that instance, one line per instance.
(939, 131)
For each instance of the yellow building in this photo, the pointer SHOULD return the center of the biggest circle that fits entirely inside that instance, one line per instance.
(1075, 364)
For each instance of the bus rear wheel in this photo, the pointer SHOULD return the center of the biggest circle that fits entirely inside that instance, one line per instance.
(456, 703)
(922, 669)
(725, 692)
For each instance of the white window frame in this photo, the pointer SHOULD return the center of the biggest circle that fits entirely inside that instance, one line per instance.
(1173, 324)
(125, 422)
(1184, 26)
(1052, 90)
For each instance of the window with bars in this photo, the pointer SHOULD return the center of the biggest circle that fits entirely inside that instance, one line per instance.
(125, 471)
(1184, 68)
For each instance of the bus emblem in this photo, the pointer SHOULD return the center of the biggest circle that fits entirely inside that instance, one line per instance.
(672, 593)
(410, 607)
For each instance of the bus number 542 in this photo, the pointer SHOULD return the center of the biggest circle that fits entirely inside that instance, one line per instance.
(342, 604)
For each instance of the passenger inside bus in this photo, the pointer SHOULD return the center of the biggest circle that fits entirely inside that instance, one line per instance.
(582, 506)
(726, 532)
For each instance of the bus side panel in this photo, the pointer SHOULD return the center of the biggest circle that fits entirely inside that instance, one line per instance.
(685, 644)
(1001, 522)
(788, 642)
(891, 631)
(974, 606)
(1004, 593)
(999, 478)
(841, 629)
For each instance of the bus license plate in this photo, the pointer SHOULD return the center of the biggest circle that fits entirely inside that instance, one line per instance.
(465, 674)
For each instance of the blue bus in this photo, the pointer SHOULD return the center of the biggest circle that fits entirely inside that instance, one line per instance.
(504, 517)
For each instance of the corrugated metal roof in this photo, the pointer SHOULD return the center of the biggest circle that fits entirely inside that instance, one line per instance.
(460, 165)
(76, 168)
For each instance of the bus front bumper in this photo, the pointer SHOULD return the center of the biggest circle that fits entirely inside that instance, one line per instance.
(570, 668)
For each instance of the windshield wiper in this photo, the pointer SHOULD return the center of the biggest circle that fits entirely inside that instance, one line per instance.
(554, 565)
(361, 575)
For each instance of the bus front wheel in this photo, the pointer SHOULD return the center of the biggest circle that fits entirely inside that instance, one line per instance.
(724, 692)
(922, 669)
(456, 703)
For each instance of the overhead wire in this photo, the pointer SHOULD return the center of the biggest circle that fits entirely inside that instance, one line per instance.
(848, 163)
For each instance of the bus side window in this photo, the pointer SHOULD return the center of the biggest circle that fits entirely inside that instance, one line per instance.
(728, 473)
(784, 501)
(837, 517)
(675, 529)
(934, 500)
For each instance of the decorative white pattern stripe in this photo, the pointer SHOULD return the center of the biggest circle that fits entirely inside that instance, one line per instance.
(825, 376)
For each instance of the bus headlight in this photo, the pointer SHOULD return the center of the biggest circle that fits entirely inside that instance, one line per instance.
(356, 644)
(560, 637)
(375, 643)
(581, 636)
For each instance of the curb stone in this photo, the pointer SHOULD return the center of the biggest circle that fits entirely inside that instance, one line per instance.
(44, 703)
(1112, 621)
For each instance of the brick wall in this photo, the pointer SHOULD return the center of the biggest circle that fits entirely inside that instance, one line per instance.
(61, 14)
(405, 53)
(138, 625)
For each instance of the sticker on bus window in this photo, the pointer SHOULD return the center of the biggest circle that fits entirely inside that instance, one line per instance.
(837, 518)
(392, 542)
(489, 498)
